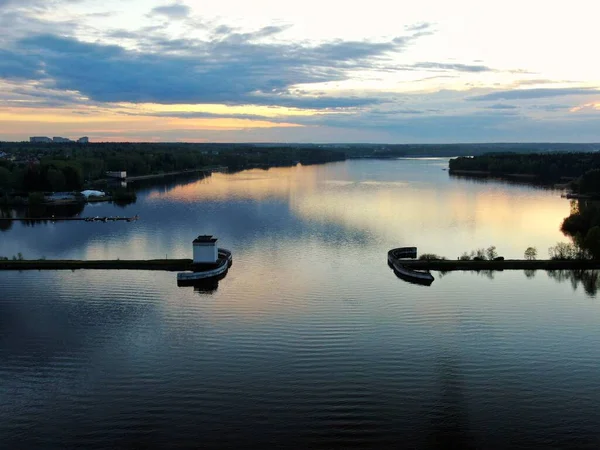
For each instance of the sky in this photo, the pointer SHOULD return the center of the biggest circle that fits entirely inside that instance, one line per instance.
(433, 71)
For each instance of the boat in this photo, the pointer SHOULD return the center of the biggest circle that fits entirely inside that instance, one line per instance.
(395, 257)
(206, 271)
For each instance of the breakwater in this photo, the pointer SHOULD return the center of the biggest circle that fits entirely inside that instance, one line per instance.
(186, 264)
(508, 264)
(150, 264)
(67, 219)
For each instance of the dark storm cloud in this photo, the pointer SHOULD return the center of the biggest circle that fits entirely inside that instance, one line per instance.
(16, 66)
(528, 94)
(172, 11)
(230, 69)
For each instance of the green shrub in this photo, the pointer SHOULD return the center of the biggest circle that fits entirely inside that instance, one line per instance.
(431, 257)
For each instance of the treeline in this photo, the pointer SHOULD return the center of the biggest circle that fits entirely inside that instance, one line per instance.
(450, 150)
(249, 157)
(49, 176)
(548, 166)
(70, 166)
(583, 225)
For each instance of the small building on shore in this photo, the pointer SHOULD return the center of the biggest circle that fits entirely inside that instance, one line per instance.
(205, 250)
(92, 193)
(120, 175)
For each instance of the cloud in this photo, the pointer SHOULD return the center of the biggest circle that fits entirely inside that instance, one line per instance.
(393, 112)
(501, 106)
(452, 67)
(173, 11)
(38, 4)
(528, 94)
(551, 107)
(16, 66)
(236, 68)
(421, 26)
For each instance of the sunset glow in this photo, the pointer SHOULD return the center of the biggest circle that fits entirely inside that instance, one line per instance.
(269, 71)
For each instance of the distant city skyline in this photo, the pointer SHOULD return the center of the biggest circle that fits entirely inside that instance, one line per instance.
(58, 139)
(315, 72)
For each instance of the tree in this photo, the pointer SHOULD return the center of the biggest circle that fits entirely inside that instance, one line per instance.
(56, 180)
(6, 178)
(73, 178)
(563, 250)
(590, 182)
(479, 254)
(491, 253)
(531, 253)
(592, 241)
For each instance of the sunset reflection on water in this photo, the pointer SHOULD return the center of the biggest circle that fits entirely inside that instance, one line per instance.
(447, 215)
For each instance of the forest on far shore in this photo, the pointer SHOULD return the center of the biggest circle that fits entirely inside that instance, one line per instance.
(71, 167)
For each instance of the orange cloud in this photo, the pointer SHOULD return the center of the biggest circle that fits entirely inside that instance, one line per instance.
(592, 105)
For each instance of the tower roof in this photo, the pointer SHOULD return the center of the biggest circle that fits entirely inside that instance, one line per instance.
(203, 239)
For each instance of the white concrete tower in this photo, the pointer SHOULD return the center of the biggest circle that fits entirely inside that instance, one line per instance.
(205, 250)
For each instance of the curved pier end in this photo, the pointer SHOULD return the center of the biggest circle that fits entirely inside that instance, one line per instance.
(203, 272)
(395, 257)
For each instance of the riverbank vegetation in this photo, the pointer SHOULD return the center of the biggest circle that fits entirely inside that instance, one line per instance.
(581, 168)
(481, 254)
(72, 167)
(17, 257)
(583, 226)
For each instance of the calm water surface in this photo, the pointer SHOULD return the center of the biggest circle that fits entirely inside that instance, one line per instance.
(310, 340)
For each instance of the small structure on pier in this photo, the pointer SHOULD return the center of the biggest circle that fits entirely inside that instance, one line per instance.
(205, 250)
(210, 262)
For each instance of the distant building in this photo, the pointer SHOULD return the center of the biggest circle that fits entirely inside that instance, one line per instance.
(83, 140)
(40, 139)
(205, 250)
(3, 155)
(120, 175)
(61, 140)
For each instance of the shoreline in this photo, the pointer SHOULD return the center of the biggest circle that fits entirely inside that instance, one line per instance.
(167, 174)
(173, 265)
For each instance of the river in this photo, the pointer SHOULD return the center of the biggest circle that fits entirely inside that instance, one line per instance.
(310, 340)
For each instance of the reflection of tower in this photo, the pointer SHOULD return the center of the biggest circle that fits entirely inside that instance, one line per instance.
(203, 286)
(449, 418)
(207, 287)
